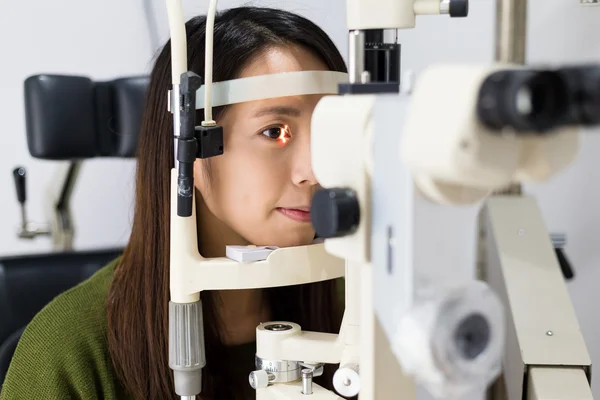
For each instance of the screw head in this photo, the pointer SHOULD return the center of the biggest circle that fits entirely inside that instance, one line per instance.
(550, 333)
(278, 327)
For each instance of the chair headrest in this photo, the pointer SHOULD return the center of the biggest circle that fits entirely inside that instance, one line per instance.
(74, 118)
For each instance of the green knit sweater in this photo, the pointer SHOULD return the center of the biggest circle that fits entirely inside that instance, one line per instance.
(63, 353)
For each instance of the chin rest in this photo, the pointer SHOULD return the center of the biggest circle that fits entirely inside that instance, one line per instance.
(74, 118)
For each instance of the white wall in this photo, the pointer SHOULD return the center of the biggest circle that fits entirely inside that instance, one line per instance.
(99, 39)
(106, 39)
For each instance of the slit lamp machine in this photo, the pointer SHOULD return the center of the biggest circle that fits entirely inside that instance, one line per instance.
(441, 147)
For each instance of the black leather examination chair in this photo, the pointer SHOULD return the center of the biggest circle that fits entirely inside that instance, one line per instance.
(28, 283)
(68, 118)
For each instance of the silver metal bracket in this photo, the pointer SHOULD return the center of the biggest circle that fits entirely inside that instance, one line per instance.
(58, 209)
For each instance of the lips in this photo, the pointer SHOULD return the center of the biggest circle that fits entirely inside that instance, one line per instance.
(299, 214)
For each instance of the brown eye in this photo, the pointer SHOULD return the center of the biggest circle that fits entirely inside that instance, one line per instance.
(279, 133)
(272, 133)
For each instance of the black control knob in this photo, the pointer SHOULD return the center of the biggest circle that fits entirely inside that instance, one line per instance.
(459, 8)
(335, 212)
(19, 174)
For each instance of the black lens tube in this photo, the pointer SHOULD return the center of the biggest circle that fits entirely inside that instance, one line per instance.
(584, 88)
(524, 100)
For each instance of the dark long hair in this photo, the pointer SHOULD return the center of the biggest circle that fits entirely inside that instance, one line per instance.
(137, 304)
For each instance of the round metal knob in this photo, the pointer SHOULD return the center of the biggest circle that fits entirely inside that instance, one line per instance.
(459, 8)
(259, 379)
(335, 212)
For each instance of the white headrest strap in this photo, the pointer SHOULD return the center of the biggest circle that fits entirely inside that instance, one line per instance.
(272, 85)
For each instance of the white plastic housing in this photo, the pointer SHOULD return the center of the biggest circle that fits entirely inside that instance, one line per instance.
(178, 40)
(388, 14)
(346, 381)
(259, 379)
(350, 327)
(427, 7)
(339, 132)
(292, 391)
(454, 158)
(190, 273)
(297, 345)
(380, 14)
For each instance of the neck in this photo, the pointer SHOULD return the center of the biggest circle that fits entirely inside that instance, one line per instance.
(240, 310)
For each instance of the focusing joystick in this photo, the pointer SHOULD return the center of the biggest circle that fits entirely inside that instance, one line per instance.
(26, 229)
(19, 174)
(335, 212)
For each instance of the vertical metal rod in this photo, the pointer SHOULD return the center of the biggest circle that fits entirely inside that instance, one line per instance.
(511, 47)
(511, 43)
(307, 376)
(356, 55)
(511, 31)
(23, 218)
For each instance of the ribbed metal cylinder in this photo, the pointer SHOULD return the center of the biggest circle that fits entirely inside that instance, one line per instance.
(186, 336)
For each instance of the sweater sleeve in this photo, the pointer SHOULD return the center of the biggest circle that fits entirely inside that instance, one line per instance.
(62, 353)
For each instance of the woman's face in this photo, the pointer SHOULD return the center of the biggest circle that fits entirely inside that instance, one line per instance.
(261, 188)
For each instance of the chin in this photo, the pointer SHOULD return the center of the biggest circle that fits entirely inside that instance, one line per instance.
(289, 239)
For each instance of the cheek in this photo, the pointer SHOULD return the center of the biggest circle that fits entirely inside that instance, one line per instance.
(244, 187)
(252, 183)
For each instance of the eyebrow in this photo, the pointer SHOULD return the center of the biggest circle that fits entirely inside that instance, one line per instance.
(281, 111)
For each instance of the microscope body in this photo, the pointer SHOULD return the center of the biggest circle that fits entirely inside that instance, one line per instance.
(399, 158)
(435, 155)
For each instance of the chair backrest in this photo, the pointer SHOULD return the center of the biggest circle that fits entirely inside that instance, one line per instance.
(28, 283)
(76, 118)
(7, 350)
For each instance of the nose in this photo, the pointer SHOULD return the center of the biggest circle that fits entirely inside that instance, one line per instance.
(302, 172)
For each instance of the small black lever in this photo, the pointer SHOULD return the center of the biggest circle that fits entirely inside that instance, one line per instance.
(559, 240)
(565, 264)
(20, 174)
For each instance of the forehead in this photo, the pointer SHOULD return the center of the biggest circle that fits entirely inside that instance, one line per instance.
(276, 60)
(283, 59)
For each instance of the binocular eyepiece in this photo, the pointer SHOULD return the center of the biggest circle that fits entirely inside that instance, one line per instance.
(538, 101)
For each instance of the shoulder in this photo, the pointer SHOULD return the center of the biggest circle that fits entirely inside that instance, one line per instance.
(79, 313)
(63, 351)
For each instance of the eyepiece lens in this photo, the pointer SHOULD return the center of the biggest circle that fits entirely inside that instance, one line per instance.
(527, 101)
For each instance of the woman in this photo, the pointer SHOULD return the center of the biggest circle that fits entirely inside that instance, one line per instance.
(108, 337)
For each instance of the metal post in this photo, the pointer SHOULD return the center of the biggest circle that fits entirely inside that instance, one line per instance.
(511, 48)
(511, 43)
(511, 31)
(511, 40)
(356, 55)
